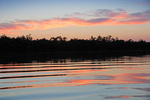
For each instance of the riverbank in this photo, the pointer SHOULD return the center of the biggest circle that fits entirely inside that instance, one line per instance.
(47, 56)
(25, 45)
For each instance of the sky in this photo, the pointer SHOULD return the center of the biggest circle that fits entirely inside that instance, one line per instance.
(125, 19)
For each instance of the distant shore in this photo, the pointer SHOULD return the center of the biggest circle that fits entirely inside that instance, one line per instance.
(25, 44)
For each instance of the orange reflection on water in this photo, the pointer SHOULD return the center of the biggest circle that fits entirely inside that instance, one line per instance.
(115, 97)
(133, 78)
(75, 75)
(127, 96)
(126, 78)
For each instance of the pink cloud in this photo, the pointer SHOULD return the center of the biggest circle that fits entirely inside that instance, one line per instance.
(8, 32)
(103, 17)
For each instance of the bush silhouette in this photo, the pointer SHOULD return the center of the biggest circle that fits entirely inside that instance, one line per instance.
(25, 44)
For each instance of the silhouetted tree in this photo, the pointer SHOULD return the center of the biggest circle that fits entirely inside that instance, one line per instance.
(64, 38)
(99, 38)
(57, 44)
(93, 38)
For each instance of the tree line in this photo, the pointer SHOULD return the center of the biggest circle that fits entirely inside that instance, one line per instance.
(25, 44)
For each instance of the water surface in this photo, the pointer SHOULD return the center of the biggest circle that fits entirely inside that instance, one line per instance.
(112, 78)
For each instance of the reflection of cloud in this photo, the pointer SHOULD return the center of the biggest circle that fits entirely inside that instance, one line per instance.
(143, 89)
(96, 79)
(133, 78)
(115, 97)
(99, 17)
(126, 96)
(81, 75)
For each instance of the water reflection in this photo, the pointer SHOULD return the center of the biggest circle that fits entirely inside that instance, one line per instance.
(127, 96)
(120, 74)
(67, 57)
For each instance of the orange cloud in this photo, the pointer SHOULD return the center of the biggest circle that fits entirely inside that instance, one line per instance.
(103, 17)
(8, 32)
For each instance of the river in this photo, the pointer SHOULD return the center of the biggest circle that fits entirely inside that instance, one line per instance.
(111, 78)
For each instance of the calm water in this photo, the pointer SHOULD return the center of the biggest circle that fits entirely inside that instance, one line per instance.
(117, 78)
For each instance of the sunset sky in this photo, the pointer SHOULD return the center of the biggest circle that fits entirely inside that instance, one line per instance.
(126, 19)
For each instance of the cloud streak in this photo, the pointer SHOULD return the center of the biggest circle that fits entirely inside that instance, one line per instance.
(99, 17)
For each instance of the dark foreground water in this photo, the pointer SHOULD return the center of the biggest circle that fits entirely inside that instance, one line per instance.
(111, 78)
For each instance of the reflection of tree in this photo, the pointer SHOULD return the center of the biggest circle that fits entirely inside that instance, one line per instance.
(99, 43)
